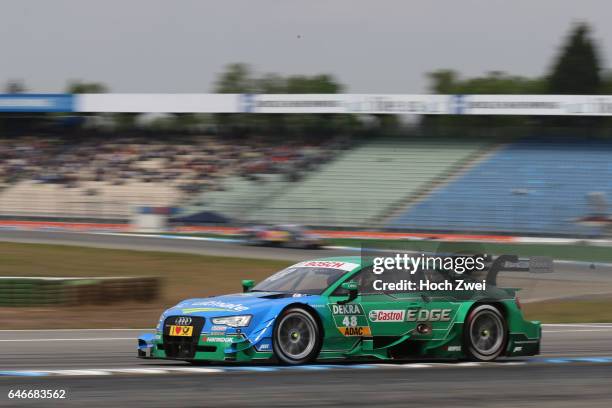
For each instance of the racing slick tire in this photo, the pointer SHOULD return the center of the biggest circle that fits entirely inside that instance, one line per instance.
(297, 337)
(485, 333)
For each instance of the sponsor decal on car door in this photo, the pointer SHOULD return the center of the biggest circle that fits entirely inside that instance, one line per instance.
(350, 320)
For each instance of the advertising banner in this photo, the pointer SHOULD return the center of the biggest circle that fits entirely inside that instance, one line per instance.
(536, 105)
(345, 103)
(397, 104)
(507, 104)
(36, 103)
(391, 104)
(293, 103)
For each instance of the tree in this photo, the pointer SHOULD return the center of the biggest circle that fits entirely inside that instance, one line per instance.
(494, 82)
(606, 83)
(577, 68)
(318, 84)
(237, 78)
(443, 81)
(271, 84)
(81, 87)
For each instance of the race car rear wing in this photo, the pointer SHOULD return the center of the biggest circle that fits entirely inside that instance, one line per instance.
(512, 263)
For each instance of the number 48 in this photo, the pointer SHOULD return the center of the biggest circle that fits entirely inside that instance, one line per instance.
(349, 321)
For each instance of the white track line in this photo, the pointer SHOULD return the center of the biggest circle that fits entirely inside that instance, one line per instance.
(79, 372)
(194, 369)
(214, 370)
(415, 365)
(138, 370)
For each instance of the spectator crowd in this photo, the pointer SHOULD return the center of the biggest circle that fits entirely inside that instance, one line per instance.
(191, 163)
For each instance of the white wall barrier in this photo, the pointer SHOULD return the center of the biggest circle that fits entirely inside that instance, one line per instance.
(158, 103)
(559, 105)
(562, 105)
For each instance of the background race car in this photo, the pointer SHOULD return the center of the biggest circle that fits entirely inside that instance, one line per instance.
(294, 236)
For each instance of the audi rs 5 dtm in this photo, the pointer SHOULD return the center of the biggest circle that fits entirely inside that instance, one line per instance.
(328, 309)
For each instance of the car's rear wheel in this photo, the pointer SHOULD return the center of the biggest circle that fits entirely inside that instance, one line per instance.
(485, 333)
(297, 337)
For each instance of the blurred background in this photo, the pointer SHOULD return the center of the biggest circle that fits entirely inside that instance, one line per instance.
(517, 175)
(525, 184)
(481, 126)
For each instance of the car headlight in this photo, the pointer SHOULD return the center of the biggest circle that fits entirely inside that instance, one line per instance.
(233, 321)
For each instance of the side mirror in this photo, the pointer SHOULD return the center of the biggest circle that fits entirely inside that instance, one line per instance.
(353, 289)
(247, 285)
(350, 286)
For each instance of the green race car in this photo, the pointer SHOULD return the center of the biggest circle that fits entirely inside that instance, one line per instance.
(336, 309)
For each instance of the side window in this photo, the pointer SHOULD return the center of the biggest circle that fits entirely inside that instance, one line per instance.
(365, 280)
(434, 275)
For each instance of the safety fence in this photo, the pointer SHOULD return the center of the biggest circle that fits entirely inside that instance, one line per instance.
(47, 291)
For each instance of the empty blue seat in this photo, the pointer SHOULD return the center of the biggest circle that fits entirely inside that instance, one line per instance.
(533, 186)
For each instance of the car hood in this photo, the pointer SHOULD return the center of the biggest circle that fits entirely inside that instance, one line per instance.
(237, 303)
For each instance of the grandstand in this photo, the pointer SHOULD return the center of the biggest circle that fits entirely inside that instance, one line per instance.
(239, 196)
(98, 177)
(315, 170)
(533, 186)
(91, 200)
(365, 183)
(536, 185)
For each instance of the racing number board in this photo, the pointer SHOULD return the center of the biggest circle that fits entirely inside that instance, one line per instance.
(350, 320)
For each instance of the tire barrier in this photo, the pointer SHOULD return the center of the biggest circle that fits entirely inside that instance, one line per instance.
(42, 291)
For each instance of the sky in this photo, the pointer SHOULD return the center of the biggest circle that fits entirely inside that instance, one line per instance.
(383, 46)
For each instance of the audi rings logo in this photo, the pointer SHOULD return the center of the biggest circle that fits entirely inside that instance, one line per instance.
(183, 321)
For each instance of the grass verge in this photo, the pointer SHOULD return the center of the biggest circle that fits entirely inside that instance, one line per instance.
(184, 276)
(570, 311)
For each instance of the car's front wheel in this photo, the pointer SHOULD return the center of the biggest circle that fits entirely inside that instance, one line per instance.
(485, 333)
(297, 338)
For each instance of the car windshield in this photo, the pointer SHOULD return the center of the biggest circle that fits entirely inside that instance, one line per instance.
(307, 280)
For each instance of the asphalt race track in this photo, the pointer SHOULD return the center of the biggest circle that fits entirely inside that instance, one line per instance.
(199, 246)
(99, 367)
(231, 248)
(542, 386)
(573, 271)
